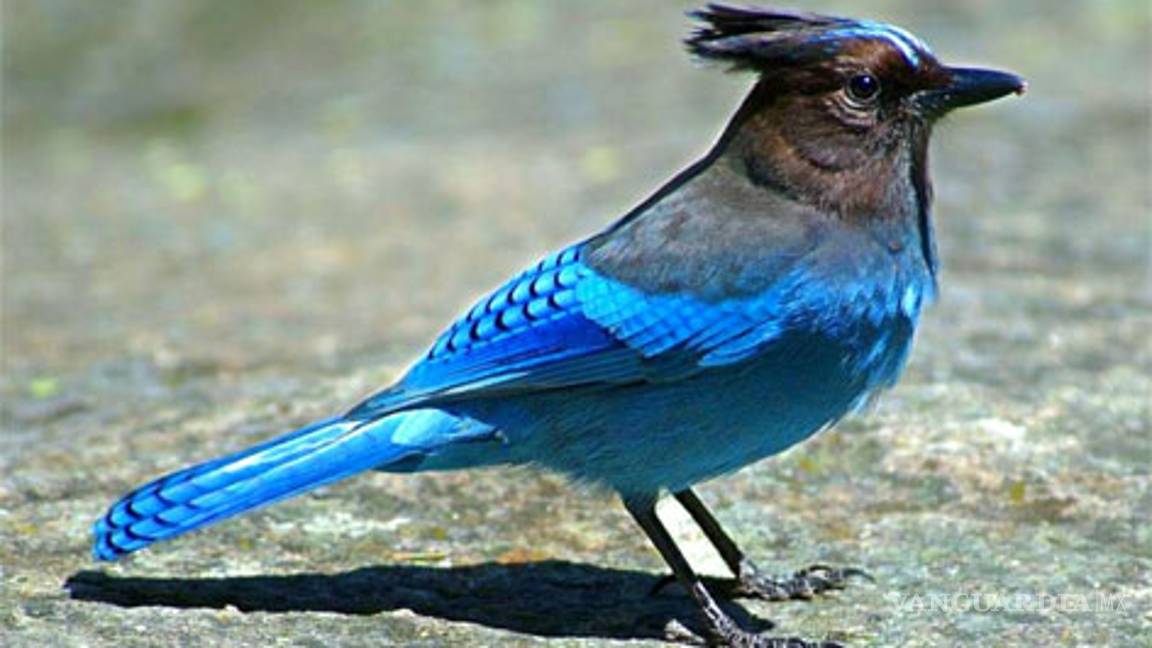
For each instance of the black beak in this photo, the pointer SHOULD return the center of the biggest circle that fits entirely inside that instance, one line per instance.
(967, 87)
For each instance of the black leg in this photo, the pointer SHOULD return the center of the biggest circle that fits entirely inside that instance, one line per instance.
(731, 554)
(803, 584)
(724, 629)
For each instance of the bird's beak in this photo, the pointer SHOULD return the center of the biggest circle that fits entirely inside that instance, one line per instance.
(967, 87)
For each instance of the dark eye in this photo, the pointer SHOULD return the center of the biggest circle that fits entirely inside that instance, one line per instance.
(863, 88)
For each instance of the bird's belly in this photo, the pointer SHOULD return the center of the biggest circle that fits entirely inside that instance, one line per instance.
(646, 437)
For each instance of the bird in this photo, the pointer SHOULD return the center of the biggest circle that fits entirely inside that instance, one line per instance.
(759, 296)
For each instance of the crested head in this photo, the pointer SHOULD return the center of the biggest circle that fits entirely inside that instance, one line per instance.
(766, 40)
(842, 109)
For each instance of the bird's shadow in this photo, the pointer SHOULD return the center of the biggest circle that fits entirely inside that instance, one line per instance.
(549, 598)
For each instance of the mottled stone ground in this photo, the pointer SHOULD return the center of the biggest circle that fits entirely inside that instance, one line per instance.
(220, 222)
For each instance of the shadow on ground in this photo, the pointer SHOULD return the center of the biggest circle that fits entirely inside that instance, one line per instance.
(548, 598)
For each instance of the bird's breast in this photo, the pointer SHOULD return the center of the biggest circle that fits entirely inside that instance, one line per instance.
(865, 302)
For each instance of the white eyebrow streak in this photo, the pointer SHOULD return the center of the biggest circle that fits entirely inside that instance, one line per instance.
(910, 46)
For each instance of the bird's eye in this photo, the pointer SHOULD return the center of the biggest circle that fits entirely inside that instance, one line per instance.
(863, 88)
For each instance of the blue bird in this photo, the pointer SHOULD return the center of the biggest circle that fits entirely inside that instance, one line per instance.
(759, 296)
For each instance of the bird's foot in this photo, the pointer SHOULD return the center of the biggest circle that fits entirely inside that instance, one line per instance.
(729, 634)
(805, 584)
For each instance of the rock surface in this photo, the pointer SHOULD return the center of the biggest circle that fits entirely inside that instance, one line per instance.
(220, 223)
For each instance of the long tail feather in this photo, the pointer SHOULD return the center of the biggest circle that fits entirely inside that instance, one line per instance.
(314, 455)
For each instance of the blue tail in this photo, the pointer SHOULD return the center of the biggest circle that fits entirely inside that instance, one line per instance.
(312, 456)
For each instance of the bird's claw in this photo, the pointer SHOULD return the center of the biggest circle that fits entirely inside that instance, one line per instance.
(804, 584)
(734, 637)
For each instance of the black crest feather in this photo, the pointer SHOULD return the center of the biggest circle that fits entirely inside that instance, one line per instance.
(760, 38)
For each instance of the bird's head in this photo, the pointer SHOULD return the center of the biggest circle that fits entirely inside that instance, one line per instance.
(843, 108)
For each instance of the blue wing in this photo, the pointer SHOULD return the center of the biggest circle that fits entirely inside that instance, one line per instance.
(561, 323)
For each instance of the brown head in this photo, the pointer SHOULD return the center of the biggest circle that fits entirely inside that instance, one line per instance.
(842, 110)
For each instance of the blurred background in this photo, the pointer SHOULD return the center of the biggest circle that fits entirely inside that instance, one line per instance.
(221, 219)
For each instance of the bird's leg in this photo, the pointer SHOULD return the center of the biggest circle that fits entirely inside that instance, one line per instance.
(724, 629)
(803, 584)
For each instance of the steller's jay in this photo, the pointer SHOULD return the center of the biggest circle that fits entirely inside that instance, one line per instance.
(763, 293)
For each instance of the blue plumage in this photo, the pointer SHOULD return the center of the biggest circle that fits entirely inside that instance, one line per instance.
(312, 456)
(560, 325)
(759, 296)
